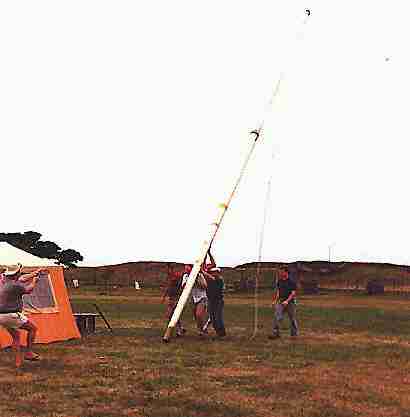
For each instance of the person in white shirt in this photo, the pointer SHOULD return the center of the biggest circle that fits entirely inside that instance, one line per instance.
(199, 301)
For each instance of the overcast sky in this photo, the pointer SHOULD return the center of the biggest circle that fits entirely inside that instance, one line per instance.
(124, 124)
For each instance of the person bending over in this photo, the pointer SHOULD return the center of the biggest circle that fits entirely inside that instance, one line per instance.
(13, 285)
(215, 293)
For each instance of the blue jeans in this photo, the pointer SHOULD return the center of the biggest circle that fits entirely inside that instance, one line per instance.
(290, 310)
(216, 314)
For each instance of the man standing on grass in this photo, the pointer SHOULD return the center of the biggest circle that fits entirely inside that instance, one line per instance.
(13, 285)
(284, 302)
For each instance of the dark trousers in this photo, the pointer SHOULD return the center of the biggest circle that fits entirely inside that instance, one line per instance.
(216, 314)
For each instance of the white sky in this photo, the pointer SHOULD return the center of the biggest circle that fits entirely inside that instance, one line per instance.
(124, 124)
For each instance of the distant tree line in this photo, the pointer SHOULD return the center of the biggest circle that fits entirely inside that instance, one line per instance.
(31, 243)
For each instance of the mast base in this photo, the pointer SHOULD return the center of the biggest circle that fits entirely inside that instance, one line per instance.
(167, 335)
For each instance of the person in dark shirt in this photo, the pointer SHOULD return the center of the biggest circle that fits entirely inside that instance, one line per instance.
(215, 294)
(284, 302)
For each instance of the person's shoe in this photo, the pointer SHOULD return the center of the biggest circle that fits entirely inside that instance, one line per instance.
(31, 356)
(274, 336)
(293, 334)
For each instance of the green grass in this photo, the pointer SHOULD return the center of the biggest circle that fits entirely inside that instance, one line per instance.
(350, 360)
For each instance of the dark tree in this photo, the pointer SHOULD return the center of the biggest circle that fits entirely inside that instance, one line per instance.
(45, 249)
(69, 257)
(29, 239)
(24, 241)
(31, 243)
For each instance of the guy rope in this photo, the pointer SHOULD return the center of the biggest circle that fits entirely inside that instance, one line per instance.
(267, 201)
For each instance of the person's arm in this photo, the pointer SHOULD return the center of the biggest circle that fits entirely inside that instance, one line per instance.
(202, 282)
(292, 295)
(212, 263)
(30, 287)
(275, 297)
(30, 276)
(165, 294)
(184, 280)
(208, 275)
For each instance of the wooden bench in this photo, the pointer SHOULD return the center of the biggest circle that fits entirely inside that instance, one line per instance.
(85, 322)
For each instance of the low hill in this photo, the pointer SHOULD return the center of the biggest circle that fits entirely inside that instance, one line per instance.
(328, 274)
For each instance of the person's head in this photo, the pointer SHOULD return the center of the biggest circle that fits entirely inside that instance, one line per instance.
(188, 268)
(13, 273)
(283, 274)
(171, 269)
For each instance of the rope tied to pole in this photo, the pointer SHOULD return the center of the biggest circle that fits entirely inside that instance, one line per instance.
(256, 133)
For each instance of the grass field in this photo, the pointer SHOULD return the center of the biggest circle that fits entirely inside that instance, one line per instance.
(352, 358)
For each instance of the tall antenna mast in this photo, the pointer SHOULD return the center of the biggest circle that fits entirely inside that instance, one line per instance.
(222, 208)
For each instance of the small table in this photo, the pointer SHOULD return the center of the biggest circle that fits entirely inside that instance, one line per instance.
(85, 322)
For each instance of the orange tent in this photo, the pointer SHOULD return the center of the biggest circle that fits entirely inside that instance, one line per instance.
(48, 306)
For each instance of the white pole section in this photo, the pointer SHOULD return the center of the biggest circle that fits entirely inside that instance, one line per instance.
(205, 247)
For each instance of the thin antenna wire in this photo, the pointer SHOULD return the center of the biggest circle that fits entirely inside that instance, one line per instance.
(258, 270)
(275, 93)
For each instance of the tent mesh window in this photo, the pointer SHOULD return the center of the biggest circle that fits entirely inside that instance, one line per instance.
(42, 298)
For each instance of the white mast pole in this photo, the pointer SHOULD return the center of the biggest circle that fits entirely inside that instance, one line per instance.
(205, 247)
(221, 213)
